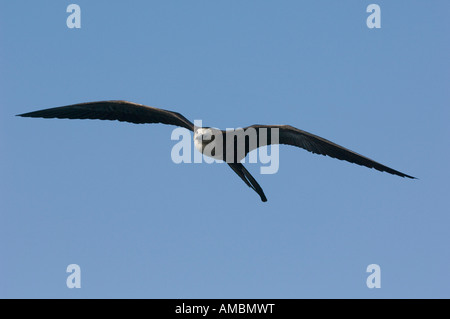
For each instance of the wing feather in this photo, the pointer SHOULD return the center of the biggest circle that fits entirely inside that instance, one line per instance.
(295, 137)
(123, 111)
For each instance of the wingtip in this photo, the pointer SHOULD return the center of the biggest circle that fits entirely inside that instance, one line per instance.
(24, 114)
(408, 176)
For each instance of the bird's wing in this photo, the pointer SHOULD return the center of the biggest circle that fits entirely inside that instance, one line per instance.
(114, 110)
(245, 175)
(292, 136)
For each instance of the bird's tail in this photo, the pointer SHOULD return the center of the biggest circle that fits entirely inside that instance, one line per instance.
(245, 175)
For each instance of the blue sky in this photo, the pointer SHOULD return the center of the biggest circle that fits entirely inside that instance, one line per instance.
(107, 196)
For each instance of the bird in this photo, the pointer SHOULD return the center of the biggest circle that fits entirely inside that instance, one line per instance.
(210, 138)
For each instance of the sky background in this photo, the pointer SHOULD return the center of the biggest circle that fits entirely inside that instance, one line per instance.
(107, 196)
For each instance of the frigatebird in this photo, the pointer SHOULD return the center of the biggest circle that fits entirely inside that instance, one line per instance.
(125, 111)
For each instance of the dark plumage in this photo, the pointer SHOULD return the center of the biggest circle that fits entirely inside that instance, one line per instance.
(137, 113)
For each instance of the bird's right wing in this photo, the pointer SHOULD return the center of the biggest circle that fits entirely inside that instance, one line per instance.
(114, 110)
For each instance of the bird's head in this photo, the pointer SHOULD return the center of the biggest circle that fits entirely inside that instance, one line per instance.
(203, 135)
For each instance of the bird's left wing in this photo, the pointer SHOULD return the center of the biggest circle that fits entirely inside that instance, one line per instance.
(293, 136)
(114, 110)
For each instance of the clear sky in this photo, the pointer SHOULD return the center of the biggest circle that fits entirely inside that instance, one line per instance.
(108, 197)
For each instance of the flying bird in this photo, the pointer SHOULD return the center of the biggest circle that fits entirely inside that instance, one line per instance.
(125, 111)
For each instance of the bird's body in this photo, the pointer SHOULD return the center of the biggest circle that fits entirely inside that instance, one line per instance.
(229, 146)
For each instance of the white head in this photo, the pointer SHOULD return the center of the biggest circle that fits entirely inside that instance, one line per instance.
(209, 142)
(203, 135)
